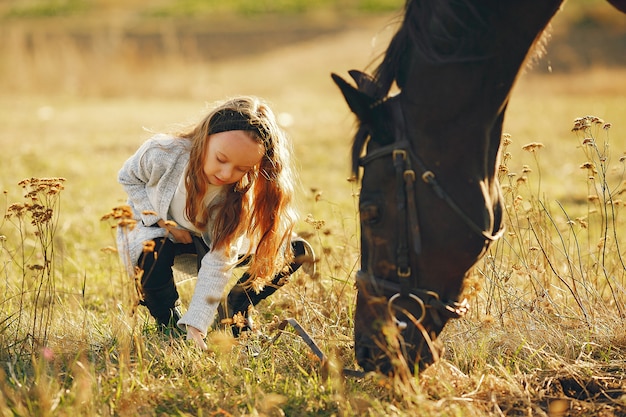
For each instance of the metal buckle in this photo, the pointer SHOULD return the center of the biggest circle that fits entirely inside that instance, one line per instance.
(397, 152)
(409, 173)
(404, 274)
(401, 324)
(428, 176)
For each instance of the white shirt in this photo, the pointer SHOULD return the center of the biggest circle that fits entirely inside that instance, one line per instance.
(178, 204)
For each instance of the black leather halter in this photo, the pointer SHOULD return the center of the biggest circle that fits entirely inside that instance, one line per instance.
(403, 158)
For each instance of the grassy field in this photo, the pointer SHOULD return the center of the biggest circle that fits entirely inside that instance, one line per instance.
(545, 333)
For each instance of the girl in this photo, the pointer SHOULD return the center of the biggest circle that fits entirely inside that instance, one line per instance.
(221, 189)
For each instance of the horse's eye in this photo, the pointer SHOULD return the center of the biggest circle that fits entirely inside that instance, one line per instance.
(370, 213)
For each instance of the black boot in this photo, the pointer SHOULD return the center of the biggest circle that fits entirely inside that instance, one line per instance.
(241, 298)
(163, 306)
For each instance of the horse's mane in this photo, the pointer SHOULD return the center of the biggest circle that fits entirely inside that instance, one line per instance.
(435, 32)
(438, 31)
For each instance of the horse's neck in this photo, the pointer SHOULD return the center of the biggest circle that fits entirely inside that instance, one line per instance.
(461, 102)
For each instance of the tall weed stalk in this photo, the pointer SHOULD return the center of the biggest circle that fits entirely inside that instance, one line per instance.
(559, 262)
(27, 254)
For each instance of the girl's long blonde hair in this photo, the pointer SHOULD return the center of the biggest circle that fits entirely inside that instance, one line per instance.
(260, 205)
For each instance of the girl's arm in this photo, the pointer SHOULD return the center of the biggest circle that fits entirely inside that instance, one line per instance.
(137, 172)
(213, 277)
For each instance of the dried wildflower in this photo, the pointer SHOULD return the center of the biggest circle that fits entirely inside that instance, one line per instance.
(503, 169)
(109, 249)
(258, 284)
(317, 224)
(596, 120)
(124, 216)
(239, 320)
(16, 209)
(592, 198)
(606, 126)
(138, 273)
(589, 166)
(522, 180)
(506, 139)
(532, 147)
(583, 123)
(580, 123)
(526, 169)
(588, 141)
(127, 223)
(149, 246)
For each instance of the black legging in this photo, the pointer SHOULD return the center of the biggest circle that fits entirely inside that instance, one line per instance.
(159, 288)
(240, 298)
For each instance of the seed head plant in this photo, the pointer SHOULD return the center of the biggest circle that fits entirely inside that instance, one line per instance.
(28, 259)
(545, 242)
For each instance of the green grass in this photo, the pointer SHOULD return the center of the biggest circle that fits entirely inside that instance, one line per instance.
(194, 8)
(531, 336)
(44, 9)
(190, 8)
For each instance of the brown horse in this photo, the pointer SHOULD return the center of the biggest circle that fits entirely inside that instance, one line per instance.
(430, 202)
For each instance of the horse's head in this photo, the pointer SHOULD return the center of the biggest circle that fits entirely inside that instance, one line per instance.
(413, 255)
(430, 201)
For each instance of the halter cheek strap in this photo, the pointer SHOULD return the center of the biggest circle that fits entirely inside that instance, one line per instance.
(402, 155)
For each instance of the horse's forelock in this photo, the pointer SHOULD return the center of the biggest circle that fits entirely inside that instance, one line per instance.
(360, 139)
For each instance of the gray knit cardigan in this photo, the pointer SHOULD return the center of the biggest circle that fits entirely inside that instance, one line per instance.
(150, 178)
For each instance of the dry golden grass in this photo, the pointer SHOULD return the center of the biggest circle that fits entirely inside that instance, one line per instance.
(525, 349)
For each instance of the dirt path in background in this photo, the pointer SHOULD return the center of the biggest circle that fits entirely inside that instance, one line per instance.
(592, 44)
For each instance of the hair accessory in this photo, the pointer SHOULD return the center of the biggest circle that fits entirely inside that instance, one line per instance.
(227, 120)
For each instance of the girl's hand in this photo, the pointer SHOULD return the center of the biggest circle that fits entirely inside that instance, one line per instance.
(197, 336)
(179, 235)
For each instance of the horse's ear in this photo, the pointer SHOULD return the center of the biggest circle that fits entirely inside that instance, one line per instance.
(359, 102)
(364, 82)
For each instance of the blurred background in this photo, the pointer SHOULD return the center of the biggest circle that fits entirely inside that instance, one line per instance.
(115, 47)
(84, 82)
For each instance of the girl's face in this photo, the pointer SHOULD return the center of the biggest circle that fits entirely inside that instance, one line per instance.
(230, 155)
